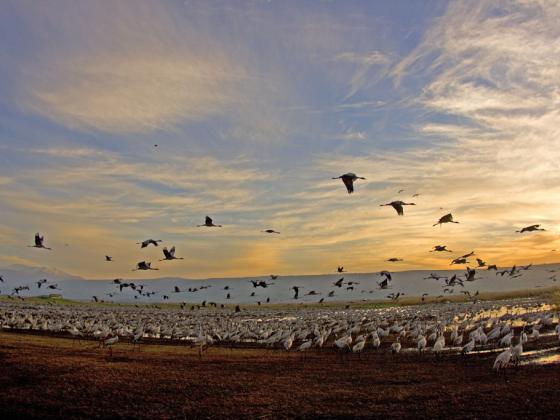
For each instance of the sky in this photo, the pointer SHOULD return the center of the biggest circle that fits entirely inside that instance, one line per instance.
(254, 107)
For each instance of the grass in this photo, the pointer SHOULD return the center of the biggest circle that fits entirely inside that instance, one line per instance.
(551, 293)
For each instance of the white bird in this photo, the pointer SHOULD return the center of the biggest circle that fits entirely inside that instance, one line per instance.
(359, 346)
(305, 346)
(396, 346)
(502, 360)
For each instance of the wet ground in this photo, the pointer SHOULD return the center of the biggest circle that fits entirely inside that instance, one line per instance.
(51, 377)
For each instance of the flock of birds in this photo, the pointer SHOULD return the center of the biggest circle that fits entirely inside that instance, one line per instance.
(343, 330)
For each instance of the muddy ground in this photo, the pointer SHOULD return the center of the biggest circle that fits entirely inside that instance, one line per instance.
(50, 377)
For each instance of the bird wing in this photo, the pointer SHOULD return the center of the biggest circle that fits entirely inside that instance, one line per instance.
(172, 251)
(398, 207)
(208, 220)
(38, 239)
(349, 184)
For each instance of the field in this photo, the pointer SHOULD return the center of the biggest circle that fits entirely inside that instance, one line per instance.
(49, 377)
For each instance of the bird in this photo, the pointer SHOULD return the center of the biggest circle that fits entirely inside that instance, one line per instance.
(273, 276)
(147, 242)
(394, 259)
(208, 222)
(39, 242)
(296, 291)
(108, 258)
(531, 228)
(384, 284)
(340, 269)
(348, 180)
(459, 260)
(502, 360)
(109, 343)
(2, 279)
(440, 248)
(396, 346)
(41, 282)
(338, 283)
(271, 231)
(448, 218)
(398, 206)
(492, 267)
(170, 254)
(480, 262)
(143, 265)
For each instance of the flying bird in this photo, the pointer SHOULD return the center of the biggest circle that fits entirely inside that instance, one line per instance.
(394, 259)
(209, 223)
(108, 258)
(440, 248)
(338, 283)
(39, 242)
(147, 242)
(448, 218)
(340, 269)
(143, 265)
(170, 254)
(348, 180)
(271, 231)
(531, 228)
(398, 206)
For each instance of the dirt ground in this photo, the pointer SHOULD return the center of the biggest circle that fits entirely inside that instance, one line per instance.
(57, 378)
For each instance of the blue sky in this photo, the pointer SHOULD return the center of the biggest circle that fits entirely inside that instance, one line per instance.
(254, 106)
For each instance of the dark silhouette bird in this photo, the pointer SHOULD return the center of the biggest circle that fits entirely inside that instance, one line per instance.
(296, 291)
(321, 300)
(526, 267)
(117, 281)
(531, 228)
(41, 282)
(394, 259)
(470, 274)
(39, 242)
(208, 222)
(480, 262)
(415, 195)
(398, 206)
(273, 276)
(492, 267)
(395, 297)
(312, 293)
(143, 265)
(348, 180)
(470, 254)
(271, 231)
(338, 283)
(386, 274)
(108, 258)
(228, 296)
(331, 293)
(448, 218)
(340, 269)
(95, 299)
(169, 254)
(440, 248)
(176, 289)
(459, 260)
(384, 284)
(147, 242)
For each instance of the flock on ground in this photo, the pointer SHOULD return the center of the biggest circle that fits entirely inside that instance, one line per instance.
(503, 328)
(141, 290)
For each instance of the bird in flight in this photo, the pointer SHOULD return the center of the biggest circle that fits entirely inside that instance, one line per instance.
(348, 180)
(338, 283)
(147, 242)
(394, 259)
(398, 206)
(271, 231)
(143, 265)
(531, 228)
(209, 223)
(169, 254)
(448, 218)
(39, 242)
(108, 258)
(440, 248)
(340, 269)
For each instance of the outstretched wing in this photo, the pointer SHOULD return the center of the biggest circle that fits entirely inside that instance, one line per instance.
(349, 184)
(208, 220)
(38, 240)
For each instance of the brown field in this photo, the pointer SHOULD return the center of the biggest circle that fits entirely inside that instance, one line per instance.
(51, 377)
